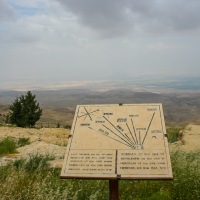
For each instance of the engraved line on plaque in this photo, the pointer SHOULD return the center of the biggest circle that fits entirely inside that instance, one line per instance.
(87, 113)
(131, 138)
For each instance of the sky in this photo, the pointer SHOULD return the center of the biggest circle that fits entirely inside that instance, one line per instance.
(72, 40)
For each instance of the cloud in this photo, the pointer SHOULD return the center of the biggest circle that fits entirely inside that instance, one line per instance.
(35, 22)
(160, 46)
(113, 18)
(56, 40)
(107, 17)
(6, 11)
(177, 15)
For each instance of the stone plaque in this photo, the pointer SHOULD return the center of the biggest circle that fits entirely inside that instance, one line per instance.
(118, 141)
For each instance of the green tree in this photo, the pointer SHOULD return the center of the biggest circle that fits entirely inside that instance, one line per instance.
(25, 111)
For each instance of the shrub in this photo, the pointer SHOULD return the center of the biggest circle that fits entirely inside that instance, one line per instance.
(37, 162)
(174, 134)
(58, 125)
(23, 141)
(7, 145)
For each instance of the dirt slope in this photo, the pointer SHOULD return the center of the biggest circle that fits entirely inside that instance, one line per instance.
(54, 141)
(190, 140)
(42, 141)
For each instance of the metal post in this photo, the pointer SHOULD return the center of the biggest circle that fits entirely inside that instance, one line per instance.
(114, 189)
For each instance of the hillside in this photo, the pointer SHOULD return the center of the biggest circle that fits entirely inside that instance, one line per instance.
(53, 141)
(44, 141)
(58, 106)
(180, 109)
(190, 140)
(49, 119)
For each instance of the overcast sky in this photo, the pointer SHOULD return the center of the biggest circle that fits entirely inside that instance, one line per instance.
(63, 40)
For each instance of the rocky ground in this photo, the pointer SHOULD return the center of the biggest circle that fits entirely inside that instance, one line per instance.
(190, 140)
(50, 141)
(54, 141)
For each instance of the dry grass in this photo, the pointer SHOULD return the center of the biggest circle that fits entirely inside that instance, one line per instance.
(17, 181)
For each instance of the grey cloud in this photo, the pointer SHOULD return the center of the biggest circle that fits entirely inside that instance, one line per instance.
(183, 14)
(177, 15)
(119, 17)
(6, 11)
(105, 16)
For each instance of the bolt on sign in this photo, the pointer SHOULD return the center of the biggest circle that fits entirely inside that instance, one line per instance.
(118, 141)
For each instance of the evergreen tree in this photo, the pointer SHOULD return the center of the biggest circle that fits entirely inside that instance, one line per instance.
(25, 111)
(15, 115)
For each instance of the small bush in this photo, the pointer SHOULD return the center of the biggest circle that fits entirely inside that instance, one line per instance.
(19, 163)
(174, 134)
(37, 162)
(23, 141)
(58, 125)
(7, 145)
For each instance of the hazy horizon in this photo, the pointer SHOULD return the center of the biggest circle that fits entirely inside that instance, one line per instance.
(137, 83)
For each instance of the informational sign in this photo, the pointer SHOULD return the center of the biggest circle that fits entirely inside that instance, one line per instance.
(118, 141)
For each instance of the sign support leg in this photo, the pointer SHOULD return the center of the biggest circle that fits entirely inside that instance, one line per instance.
(114, 189)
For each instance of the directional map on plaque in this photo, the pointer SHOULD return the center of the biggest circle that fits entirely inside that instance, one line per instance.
(118, 141)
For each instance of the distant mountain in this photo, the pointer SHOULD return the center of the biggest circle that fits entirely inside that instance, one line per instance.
(59, 105)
